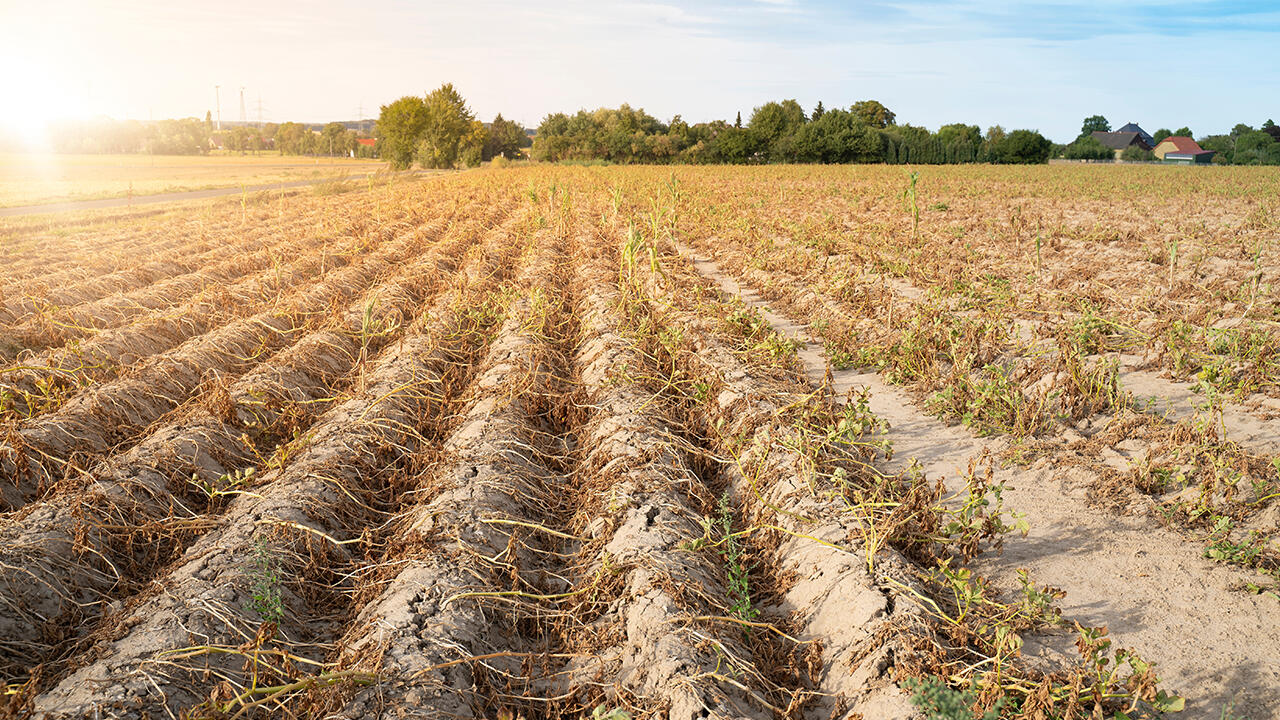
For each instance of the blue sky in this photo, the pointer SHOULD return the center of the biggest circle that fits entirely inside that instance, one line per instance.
(1207, 65)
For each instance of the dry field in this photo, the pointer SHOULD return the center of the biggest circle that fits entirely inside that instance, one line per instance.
(778, 442)
(36, 178)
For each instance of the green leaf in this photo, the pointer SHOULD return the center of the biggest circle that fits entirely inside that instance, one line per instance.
(1165, 702)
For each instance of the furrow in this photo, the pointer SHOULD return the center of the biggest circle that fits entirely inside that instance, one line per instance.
(1144, 583)
(53, 446)
(56, 327)
(271, 572)
(18, 307)
(74, 553)
(831, 599)
(670, 641)
(42, 383)
(469, 553)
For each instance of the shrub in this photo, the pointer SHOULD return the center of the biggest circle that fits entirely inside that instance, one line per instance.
(1133, 153)
(1088, 148)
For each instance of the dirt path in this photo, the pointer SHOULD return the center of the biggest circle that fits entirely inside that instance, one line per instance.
(1220, 648)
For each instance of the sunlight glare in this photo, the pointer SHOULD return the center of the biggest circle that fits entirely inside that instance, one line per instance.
(41, 99)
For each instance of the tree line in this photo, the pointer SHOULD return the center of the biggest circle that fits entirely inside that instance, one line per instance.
(779, 132)
(191, 136)
(438, 130)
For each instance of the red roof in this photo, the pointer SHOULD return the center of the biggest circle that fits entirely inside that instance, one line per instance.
(1183, 144)
(367, 141)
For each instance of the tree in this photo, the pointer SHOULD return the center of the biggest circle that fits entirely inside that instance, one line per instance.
(471, 146)
(873, 113)
(1023, 147)
(1183, 131)
(1240, 129)
(1270, 128)
(1135, 153)
(773, 124)
(1088, 148)
(239, 139)
(738, 123)
(448, 120)
(959, 133)
(400, 126)
(1256, 148)
(179, 137)
(293, 139)
(817, 112)
(1222, 145)
(837, 137)
(503, 139)
(333, 139)
(1094, 123)
(733, 145)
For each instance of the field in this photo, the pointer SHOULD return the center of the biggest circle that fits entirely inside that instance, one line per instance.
(34, 178)
(754, 442)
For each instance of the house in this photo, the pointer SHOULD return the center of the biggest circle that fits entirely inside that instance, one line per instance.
(1146, 138)
(1182, 150)
(1121, 141)
(365, 147)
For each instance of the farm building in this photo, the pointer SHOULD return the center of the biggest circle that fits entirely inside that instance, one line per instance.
(1182, 150)
(1120, 141)
(1146, 137)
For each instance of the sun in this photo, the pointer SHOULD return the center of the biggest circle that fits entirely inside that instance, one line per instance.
(41, 98)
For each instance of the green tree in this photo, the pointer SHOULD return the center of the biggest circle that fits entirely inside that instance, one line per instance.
(1222, 145)
(1183, 131)
(1135, 153)
(1088, 148)
(1240, 129)
(838, 136)
(1269, 127)
(399, 129)
(959, 133)
(1094, 123)
(177, 137)
(333, 139)
(733, 145)
(817, 112)
(1256, 148)
(239, 139)
(1161, 134)
(448, 121)
(773, 124)
(471, 146)
(873, 113)
(1022, 147)
(293, 139)
(503, 139)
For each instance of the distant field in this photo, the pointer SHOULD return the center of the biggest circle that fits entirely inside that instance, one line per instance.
(30, 179)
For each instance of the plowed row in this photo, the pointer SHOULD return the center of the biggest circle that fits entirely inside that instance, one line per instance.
(502, 445)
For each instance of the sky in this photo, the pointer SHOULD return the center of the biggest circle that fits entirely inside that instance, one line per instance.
(1206, 65)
